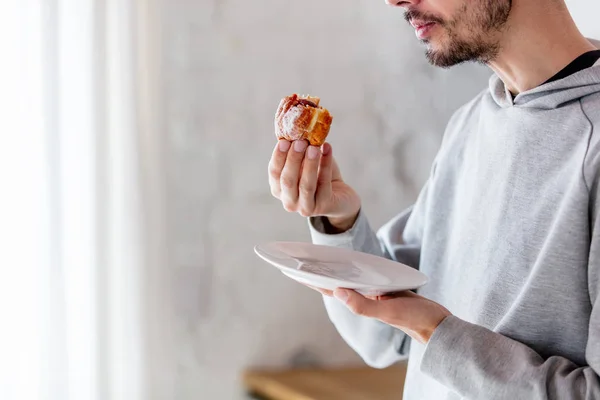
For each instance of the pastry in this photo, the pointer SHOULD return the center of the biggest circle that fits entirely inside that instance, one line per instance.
(301, 118)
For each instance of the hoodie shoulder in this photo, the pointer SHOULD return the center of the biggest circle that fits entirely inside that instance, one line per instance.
(467, 110)
(464, 115)
(590, 106)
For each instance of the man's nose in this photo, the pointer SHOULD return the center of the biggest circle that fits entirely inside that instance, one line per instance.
(402, 3)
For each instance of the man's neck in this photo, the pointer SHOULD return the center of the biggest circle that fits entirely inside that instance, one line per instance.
(533, 52)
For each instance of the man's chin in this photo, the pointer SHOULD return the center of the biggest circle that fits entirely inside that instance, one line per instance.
(440, 58)
(438, 43)
(434, 44)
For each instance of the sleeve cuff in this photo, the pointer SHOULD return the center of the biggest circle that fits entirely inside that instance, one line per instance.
(453, 354)
(353, 238)
(441, 347)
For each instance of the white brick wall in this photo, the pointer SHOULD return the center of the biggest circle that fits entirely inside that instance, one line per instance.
(227, 65)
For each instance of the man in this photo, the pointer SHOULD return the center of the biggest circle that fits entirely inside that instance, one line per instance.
(507, 227)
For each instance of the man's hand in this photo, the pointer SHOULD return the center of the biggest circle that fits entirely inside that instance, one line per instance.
(415, 315)
(329, 293)
(307, 180)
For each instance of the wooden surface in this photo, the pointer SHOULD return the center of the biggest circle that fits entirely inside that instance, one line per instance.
(330, 384)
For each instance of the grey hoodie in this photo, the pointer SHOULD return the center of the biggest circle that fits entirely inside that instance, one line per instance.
(507, 229)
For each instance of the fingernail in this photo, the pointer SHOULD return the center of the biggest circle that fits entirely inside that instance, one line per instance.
(313, 152)
(326, 149)
(284, 145)
(300, 145)
(341, 295)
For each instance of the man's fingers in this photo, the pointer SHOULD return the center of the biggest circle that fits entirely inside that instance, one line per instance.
(325, 292)
(276, 166)
(359, 304)
(392, 296)
(325, 172)
(372, 306)
(308, 181)
(290, 175)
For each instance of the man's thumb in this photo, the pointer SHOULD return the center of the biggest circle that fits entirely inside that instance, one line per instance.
(357, 303)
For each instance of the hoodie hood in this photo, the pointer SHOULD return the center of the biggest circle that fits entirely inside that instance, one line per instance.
(551, 95)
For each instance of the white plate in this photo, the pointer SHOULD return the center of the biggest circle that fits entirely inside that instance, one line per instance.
(331, 267)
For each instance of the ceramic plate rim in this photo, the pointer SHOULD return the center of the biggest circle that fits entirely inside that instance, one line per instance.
(335, 281)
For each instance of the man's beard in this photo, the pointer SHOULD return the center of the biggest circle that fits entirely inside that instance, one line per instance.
(483, 20)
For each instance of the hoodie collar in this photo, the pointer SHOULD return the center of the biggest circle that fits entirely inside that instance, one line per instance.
(551, 95)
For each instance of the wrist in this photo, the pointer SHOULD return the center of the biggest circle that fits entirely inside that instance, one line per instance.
(424, 335)
(342, 224)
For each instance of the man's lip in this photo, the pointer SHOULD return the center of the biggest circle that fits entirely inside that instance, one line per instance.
(420, 24)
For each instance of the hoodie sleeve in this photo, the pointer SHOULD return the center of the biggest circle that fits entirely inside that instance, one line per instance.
(378, 344)
(477, 363)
